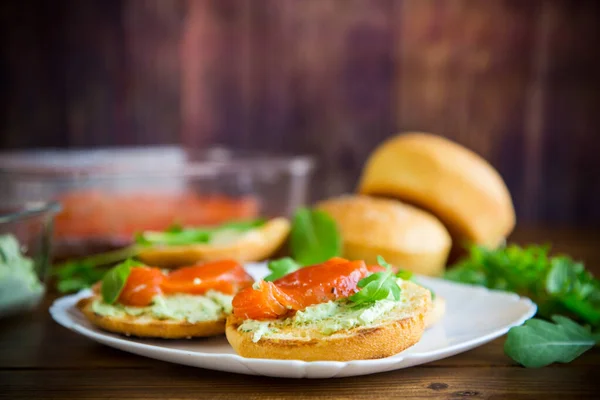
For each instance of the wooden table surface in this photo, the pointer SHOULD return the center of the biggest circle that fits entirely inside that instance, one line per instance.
(41, 360)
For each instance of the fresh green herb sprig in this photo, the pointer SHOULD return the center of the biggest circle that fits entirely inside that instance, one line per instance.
(115, 279)
(314, 237)
(281, 267)
(75, 275)
(379, 285)
(560, 287)
(176, 235)
(538, 343)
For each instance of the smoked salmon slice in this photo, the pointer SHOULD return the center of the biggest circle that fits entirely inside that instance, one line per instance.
(224, 276)
(144, 283)
(331, 280)
(263, 302)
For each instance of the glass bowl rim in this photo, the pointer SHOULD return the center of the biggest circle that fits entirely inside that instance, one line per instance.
(225, 160)
(28, 210)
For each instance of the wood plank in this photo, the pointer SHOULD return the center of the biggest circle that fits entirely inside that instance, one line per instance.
(182, 383)
(517, 81)
(94, 74)
(32, 54)
(340, 76)
(463, 72)
(151, 66)
(571, 116)
(215, 74)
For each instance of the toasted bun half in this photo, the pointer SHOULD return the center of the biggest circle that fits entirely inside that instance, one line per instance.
(255, 245)
(380, 340)
(148, 327)
(404, 235)
(456, 185)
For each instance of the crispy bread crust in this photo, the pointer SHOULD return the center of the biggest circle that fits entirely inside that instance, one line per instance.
(265, 241)
(155, 328)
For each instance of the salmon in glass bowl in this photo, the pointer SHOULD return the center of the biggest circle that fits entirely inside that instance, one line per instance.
(107, 195)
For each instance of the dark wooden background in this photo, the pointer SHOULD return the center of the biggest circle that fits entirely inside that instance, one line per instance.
(517, 81)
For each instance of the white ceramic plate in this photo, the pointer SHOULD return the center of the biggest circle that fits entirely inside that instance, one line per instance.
(474, 316)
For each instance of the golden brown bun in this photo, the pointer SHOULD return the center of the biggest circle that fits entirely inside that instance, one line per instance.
(435, 315)
(150, 328)
(459, 187)
(362, 343)
(255, 245)
(404, 235)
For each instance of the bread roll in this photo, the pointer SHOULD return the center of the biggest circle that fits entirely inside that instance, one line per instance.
(456, 185)
(405, 236)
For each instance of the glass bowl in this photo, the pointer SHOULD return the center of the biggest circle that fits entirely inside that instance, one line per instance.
(25, 246)
(109, 194)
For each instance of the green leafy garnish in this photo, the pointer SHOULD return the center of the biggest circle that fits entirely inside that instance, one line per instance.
(173, 238)
(75, 275)
(241, 226)
(281, 267)
(314, 237)
(404, 274)
(377, 286)
(176, 235)
(558, 285)
(115, 279)
(538, 343)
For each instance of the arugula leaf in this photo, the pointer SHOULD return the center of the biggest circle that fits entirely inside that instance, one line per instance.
(558, 285)
(281, 267)
(538, 343)
(403, 274)
(115, 279)
(561, 276)
(377, 286)
(79, 274)
(76, 275)
(381, 261)
(244, 225)
(173, 238)
(176, 235)
(314, 237)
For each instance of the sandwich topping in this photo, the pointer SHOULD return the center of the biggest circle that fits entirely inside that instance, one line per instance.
(327, 298)
(195, 293)
(331, 280)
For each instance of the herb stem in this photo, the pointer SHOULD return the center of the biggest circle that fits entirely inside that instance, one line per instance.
(111, 257)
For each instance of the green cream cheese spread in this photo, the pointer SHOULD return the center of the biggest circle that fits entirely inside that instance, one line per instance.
(211, 306)
(20, 287)
(327, 318)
